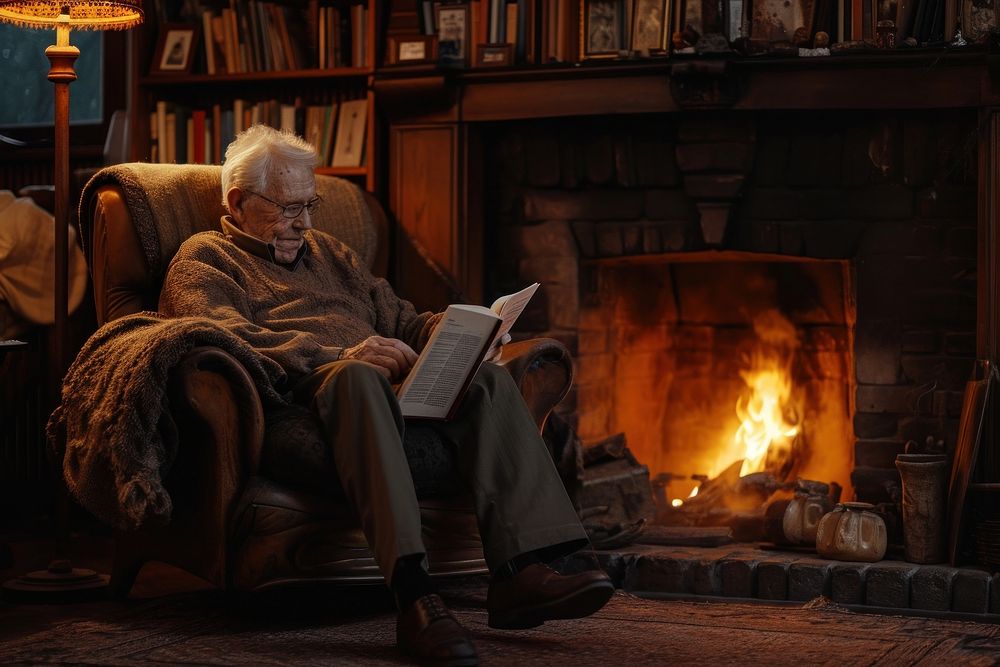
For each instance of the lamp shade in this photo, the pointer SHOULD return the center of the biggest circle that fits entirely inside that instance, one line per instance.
(83, 14)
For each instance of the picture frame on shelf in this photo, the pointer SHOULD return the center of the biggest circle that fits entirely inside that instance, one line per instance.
(452, 23)
(349, 148)
(979, 19)
(602, 28)
(176, 47)
(651, 22)
(494, 55)
(415, 50)
(777, 20)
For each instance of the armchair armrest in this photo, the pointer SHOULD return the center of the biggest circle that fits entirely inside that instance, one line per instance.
(210, 387)
(215, 405)
(543, 370)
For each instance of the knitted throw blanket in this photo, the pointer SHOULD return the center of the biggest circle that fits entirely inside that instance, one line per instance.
(120, 438)
(170, 202)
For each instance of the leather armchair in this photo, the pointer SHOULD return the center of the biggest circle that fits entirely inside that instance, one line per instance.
(233, 524)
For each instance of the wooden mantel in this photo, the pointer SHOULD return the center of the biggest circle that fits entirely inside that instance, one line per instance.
(435, 120)
(917, 79)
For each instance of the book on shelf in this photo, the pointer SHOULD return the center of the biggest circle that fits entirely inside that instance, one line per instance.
(427, 26)
(209, 41)
(198, 130)
(435, 386)
(170, 140)
(359, 35)
(327, 133)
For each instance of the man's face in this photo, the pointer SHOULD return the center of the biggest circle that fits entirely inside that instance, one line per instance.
(258, 217)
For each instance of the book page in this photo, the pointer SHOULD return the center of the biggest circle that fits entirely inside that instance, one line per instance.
(447, 362)
(510, 307)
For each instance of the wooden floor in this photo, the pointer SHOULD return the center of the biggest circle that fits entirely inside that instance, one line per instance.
(174, 619)
(356, 626)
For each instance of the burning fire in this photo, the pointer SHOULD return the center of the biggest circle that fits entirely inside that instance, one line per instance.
(767, 411)
(765, 424)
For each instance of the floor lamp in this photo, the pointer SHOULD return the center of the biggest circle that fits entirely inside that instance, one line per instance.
(63, 16)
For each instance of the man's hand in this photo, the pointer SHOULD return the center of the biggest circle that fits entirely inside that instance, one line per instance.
(494, 354)
(393, 357)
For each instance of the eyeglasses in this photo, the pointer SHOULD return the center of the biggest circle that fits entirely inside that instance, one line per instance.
(291, 211)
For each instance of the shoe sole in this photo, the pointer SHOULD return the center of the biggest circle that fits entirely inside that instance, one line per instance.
(578, 604)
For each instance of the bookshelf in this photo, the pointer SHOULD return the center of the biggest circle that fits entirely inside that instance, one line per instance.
(568, 32)
(303, 64)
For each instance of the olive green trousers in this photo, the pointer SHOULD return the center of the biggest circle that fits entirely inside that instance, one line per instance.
(520, 502)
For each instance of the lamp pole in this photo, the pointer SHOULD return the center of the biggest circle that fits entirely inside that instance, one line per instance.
(62, 56)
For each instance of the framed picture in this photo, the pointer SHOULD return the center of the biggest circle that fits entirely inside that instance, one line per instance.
(412, 50)
(650, 25)
(777, 20)
(494, 55)
(349, 149)
(175, 49)
(453, 34)
(979, 20)
(603, 28)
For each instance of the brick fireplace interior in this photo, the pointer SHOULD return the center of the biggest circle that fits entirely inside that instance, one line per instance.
(682, 253)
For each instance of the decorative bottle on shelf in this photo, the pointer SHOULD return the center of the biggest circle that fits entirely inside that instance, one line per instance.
(852, 532)
(804, 511)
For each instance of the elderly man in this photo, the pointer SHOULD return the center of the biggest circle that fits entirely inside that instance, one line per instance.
(302, 298)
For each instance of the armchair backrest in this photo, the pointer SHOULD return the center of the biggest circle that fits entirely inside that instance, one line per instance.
(134, 217)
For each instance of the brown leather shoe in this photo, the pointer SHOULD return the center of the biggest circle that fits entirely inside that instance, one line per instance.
(428, 632)
(538, 593)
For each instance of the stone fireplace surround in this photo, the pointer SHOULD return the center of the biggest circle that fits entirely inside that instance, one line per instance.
(891, 194)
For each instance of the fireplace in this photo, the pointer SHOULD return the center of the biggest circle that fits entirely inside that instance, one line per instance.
(687, 259)
(710, 358)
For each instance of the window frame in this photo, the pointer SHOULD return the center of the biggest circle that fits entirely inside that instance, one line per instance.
(85, 137)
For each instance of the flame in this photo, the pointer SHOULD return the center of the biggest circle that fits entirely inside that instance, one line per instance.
(764, 421)
(676, 502)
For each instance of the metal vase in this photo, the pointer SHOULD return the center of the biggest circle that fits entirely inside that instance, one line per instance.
(925, 493)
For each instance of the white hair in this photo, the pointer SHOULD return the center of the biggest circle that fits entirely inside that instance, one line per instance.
(253, 152)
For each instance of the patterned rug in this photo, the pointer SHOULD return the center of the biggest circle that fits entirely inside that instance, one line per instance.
(357, 627)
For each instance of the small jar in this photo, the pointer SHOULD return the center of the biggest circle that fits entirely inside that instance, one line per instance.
(804, 511)
(852, 532)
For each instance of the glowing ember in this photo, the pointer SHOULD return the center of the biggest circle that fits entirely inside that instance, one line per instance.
(677, 502)
(767, 425)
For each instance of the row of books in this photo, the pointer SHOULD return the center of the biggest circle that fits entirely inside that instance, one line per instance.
(566, 31)
(183, 134)
(262, 36)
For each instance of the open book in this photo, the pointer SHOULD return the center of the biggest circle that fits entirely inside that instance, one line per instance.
(463, 338)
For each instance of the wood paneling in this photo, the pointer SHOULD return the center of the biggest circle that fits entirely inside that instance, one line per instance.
(424, 193)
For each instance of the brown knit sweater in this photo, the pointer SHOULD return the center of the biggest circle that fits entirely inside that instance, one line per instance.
(300, 318)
